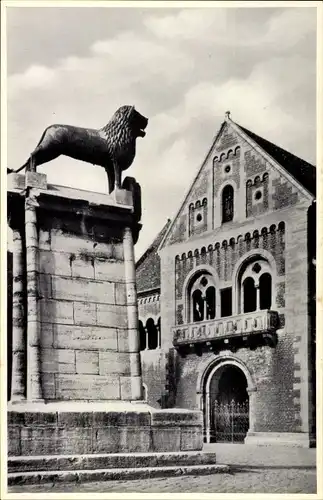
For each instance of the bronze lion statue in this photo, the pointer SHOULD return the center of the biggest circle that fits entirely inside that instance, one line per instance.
(113, 147)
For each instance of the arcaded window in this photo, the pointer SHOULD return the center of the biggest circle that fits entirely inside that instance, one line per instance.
(210, 302)
(227, 203)
(226, 302)
(152, 334)
(202, 299)
(265, 291)
(198, 306)
(255, 286)
(149, 334)
(142, 336)
(249, 295)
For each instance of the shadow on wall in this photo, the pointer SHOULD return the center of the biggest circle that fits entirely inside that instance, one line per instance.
(168, 400)
(160, 372)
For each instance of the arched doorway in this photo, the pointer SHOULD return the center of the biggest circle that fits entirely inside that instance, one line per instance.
(227, 404)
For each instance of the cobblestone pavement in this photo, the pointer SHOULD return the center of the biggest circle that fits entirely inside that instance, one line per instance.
(274, 469)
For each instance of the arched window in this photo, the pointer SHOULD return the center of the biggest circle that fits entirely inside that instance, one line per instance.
(255, 286)
(249, 295)
(227, 203)
(210, 302)
(265, 291)
(198, 306)
(142, 336)
(202, 298)
(152, 334)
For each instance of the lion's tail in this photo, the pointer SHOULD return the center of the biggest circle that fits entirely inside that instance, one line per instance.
(11, 171)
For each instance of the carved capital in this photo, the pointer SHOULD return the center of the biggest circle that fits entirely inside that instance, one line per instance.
(131, 185)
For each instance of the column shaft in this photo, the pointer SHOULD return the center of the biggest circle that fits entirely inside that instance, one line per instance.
(33, 341)
(258, 298)
(208, 411)
(18, 389)
(133, 320)
(252, 409)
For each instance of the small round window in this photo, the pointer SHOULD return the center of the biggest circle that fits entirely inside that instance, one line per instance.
(199, 217)
(256, 268)
(204, 281)
(227, 169)
(258, 195)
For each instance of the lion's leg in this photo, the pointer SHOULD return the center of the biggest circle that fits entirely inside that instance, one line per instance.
(117, 175)
(32, 163)
(110, 175)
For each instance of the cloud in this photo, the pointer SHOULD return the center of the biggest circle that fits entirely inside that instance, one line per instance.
(189, 24)
(290, 27)
(224, 26)
(34, 77)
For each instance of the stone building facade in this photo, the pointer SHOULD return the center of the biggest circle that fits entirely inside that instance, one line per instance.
(227, 295)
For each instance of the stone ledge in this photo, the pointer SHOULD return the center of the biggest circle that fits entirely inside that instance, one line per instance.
(296, 439)
(108, 461)
(176, 417)
(113, 474)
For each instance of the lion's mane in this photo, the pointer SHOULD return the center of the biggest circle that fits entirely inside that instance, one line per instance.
(118, 131)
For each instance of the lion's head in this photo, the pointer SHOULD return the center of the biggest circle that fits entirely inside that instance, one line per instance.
(137, 122)
(128, 117)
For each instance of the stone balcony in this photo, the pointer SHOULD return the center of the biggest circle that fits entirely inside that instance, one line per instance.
(244, 330)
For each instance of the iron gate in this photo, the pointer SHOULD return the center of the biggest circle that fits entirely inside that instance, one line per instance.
(230, 421)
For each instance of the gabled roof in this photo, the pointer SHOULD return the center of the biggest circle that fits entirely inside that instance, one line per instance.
(148, 266)
(301, 170)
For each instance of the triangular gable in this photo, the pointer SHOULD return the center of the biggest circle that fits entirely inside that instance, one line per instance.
(300, 174)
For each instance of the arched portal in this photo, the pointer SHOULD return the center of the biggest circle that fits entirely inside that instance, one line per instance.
(226, 406)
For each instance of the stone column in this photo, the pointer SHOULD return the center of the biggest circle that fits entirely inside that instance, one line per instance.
(18, 389)
(147, 338)
(257, 297)
(133, 320)
(208, 411)
(33, 342)
(158, 335)
(252, 410)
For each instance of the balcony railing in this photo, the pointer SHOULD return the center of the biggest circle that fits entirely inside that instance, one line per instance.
(225, 328)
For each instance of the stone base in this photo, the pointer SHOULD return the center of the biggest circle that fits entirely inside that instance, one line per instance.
(73, 428)
(42, 470)
(297, 439)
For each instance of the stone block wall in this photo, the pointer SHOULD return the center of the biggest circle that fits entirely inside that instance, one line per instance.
(272, 373)
(83, 315)
(97, 432)
(81, 305)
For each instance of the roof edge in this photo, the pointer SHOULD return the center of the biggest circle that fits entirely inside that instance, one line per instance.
(152, 247)
(271, 160)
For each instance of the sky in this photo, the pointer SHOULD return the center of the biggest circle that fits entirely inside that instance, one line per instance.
(182, 68)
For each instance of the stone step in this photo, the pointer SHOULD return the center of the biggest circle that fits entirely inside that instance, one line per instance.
(108, 461)
(123, 474)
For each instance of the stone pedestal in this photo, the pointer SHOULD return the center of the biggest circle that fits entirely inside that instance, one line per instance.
(96, 428)
(76, 376)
